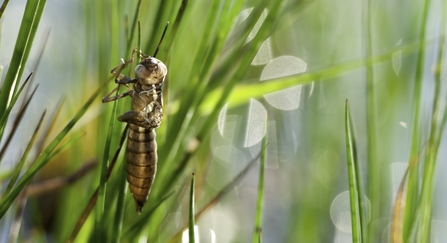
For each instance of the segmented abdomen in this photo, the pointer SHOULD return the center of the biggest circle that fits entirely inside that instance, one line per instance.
(141, 156)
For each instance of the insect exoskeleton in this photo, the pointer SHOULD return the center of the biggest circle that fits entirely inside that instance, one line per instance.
(151, 71)
(144, 117)
(141, 156)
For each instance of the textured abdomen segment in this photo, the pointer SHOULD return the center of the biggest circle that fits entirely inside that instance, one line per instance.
(141, 156)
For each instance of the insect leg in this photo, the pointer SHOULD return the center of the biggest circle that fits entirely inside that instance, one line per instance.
(109, 98)
(122, 79)
(122, 66)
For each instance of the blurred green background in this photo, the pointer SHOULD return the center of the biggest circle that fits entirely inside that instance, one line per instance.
(238, 70)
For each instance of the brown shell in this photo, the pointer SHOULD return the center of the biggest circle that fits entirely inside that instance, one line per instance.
(141, 156)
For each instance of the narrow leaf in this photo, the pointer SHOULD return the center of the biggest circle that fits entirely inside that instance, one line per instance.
(5, 116)
(19, 166)
(16, 124)
(352, 176)
(191, 212)
(28, 28)
(257, 237)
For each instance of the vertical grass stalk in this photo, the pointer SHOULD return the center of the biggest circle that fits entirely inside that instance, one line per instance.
(103, 177)
(192, 223)
(426, 207)
(25, 38)
(354, 186)
(257, 236)
(374, 180)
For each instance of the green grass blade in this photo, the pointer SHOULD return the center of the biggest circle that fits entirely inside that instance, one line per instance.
(132, 30)
(396, 233)
(66, 144)
(192, 223)
(103, 176)
(177, 21)
(431, 154)
(19, 166)
(28, 28)
(139, 40)
(257, 237)
(352, 176)
(373, 164)
(99, 219)
(438, 71)
(8, 199)
(413, 191)
(120, 206)
(5, 116)
(242, 93)
(3, 7)
(16, 123)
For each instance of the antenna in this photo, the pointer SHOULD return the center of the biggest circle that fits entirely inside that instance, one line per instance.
(162, 36)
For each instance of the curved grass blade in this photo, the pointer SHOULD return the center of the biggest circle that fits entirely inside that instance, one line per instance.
(244, 92)
(19, 165)
(66, 144)
(354, 186)
(7, 200)
(3, 7)
(28, 28)
(48, 128)
(191, 212)
(257, 237)
(88, 209)
(397, 234)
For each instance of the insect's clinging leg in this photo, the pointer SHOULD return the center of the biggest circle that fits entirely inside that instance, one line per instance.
(107, 98)
(123, 63)
(118, 75)
(122, 79)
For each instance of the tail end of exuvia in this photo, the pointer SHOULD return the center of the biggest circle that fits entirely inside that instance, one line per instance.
(140, 206)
